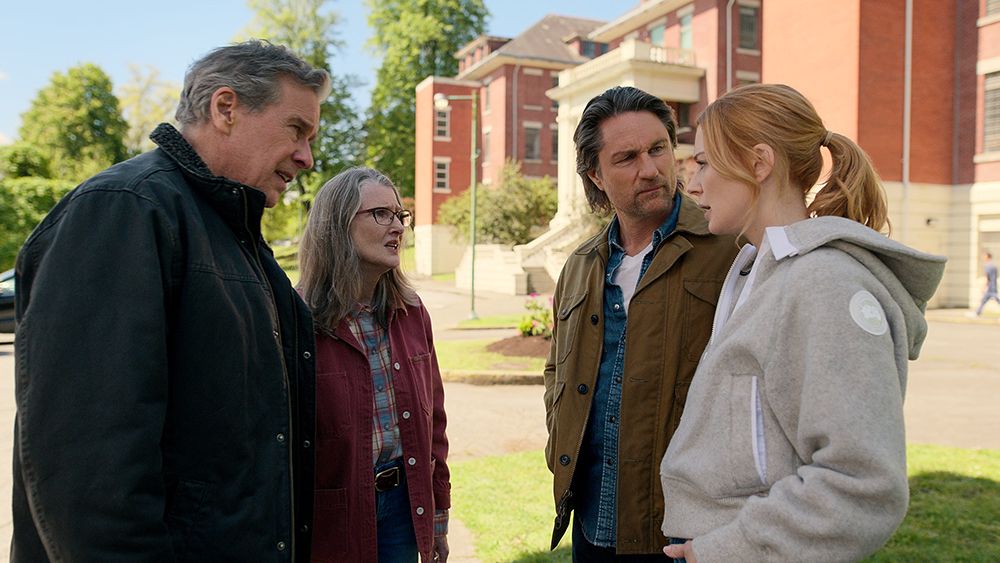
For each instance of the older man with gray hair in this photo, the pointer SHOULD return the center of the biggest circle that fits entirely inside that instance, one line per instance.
(164, 371)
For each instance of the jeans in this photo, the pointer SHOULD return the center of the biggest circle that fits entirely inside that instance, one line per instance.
(396, 540)
(586, 552)
(676, 541)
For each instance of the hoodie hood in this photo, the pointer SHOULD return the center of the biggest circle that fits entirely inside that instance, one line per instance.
(911, 276)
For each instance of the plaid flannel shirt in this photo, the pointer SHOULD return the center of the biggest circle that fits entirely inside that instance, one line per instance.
(386, 445)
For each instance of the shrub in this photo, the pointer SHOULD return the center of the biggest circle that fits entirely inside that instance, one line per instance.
(538, 320)
(514, 211)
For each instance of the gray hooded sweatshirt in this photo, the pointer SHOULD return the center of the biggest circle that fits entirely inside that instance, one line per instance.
(792, 446)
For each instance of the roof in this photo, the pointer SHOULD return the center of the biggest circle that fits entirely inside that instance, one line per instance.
(545, 39)
(543, 42)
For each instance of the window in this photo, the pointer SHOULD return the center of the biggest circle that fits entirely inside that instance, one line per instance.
(486, 98)
(441, 171)
(442, 124)
(555, 84)
(484, 153)
(532, 142)
(748, 28)
(685, 25)
(992, 7)
(991, 113)
(656, 35)
(684, 115)
(587, 49)
(554, 133)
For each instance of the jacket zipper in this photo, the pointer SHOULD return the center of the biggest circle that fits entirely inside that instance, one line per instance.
(284, 371)
(726, 298)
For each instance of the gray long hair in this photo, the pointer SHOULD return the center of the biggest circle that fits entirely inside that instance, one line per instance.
(588, 139)
(253, 69)
(330, 270)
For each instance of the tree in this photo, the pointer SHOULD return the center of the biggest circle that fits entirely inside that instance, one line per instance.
(76, 123)
(416, 39)
(146, 101)
(308, 28)
(513, 212)
(22, 159)
(24, 202)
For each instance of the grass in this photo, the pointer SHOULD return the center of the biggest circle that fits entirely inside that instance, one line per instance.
(954, 515)
(472, 355)
(493, 321)
(506, 502)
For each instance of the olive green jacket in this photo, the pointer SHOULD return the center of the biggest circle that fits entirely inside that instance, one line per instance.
(669, 323)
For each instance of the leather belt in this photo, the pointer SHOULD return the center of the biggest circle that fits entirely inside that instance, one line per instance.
(388, 479)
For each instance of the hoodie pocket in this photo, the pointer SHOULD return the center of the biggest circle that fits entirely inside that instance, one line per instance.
(746, 445)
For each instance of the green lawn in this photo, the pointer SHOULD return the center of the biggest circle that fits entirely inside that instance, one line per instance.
(954, 514)
(472, 355)
(493, 321)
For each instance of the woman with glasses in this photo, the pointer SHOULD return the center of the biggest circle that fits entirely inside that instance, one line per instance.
(382, 480)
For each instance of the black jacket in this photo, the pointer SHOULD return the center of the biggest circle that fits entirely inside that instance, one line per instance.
(164, 374)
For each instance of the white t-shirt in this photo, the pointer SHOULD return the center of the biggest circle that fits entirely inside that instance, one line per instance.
(627, 275)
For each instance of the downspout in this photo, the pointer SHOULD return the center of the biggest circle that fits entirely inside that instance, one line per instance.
(729, 44)
(513, 112)
(907, 78)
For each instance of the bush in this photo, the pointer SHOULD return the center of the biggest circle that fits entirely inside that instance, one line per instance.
(513, 212)
(538, 320)
(24, 202)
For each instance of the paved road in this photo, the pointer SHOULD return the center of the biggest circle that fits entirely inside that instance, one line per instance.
(953, 397)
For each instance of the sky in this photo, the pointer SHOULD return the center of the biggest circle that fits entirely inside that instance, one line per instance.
(41, 37)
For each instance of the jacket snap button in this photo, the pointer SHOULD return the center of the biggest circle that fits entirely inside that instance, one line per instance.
(411, 461)
(593, 319)
(281, 546)
(306, 444)
(304, 529)
(306, 355)
(406, 415)
(420, 510)
(395, 366)
(582, 388)
(280, 437)
(564, 459)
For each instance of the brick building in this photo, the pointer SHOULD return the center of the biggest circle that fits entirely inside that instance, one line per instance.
(916, 83)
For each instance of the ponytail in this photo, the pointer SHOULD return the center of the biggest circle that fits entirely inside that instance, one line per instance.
(853, 189)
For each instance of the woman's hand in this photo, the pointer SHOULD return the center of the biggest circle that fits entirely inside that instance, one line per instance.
(683, 551)
(441, 549)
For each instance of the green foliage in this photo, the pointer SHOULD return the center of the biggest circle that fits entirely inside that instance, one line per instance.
(146, 101)
(23, 159)
(538, 320)
(23, 203)
(415, 39)
(308, 28)
(513, 212)
(76, 123)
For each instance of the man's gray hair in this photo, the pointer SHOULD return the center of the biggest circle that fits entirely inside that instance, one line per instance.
(588, 140)
(253, 69)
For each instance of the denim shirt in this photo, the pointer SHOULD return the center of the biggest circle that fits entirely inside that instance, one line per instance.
(596, 482)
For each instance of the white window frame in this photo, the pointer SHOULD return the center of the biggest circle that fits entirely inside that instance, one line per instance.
(446, 160)
(447, 126)
(537, 126)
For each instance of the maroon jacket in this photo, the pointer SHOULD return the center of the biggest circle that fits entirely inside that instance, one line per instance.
(345, 489)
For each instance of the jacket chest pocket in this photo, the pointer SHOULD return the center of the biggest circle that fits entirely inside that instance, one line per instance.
(700, 299)
(569, 317)
(422, 375)
(334, 405)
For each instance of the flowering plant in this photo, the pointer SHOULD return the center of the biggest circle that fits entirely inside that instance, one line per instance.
(538, 320)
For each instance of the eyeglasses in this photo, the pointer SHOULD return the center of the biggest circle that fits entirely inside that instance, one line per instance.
(384, 215)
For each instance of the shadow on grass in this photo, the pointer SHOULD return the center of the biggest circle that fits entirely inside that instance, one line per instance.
(544, 556)
(952, 517)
